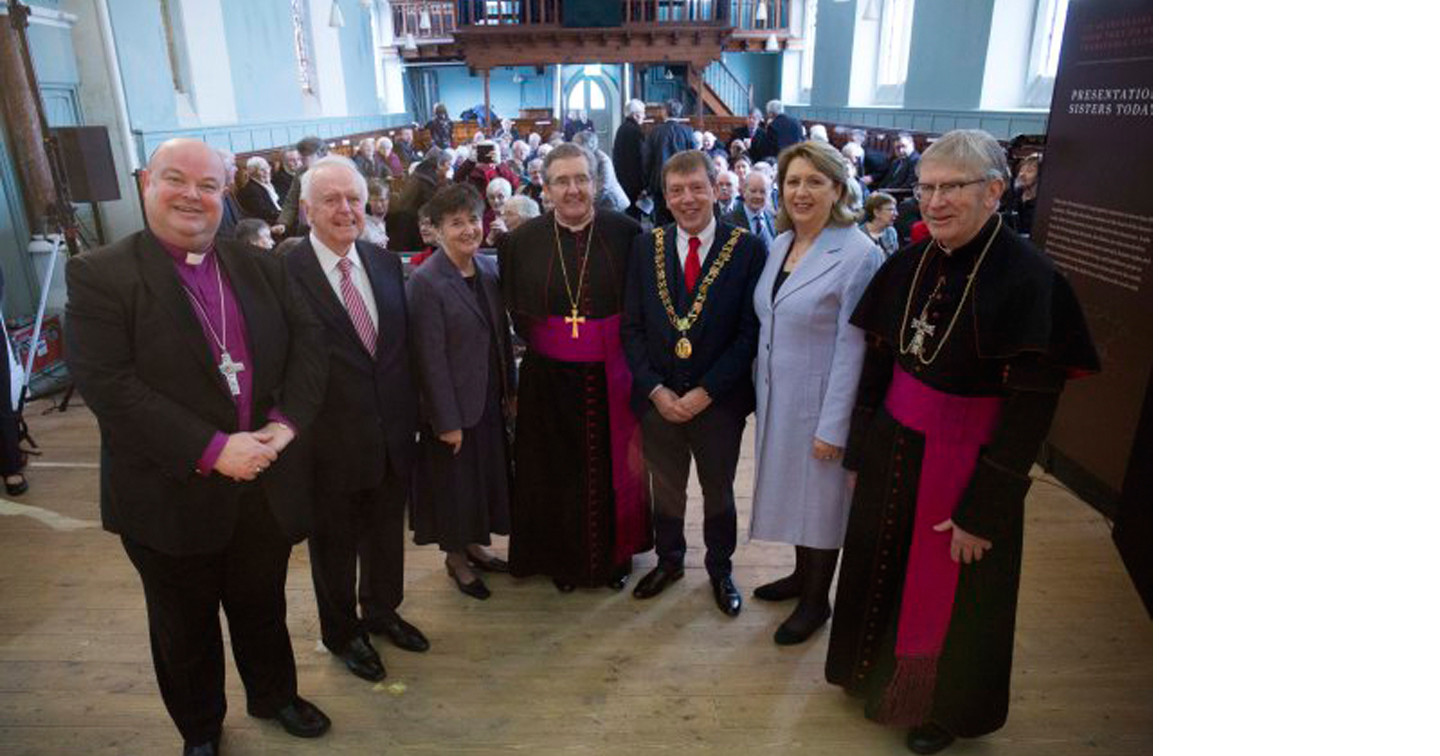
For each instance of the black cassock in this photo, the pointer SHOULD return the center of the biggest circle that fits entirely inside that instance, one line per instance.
(1019, 337)
(563, 512)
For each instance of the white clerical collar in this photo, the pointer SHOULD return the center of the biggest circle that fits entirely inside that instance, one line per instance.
(574, 229)
(329, 258)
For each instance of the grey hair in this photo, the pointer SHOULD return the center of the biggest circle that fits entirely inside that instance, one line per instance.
(339, 162)
(586, 139)
(499, 182)
(635, 107)
(522, 205)
(774, 108)
(818, 132)
(568, 150)
(255, 163)
(384, 143)
(970, 149)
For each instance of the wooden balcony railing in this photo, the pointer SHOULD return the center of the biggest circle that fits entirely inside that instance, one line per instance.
(438, 19)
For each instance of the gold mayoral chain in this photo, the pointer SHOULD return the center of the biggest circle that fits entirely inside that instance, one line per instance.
(683, 348)
(924, 329)
(575, 318)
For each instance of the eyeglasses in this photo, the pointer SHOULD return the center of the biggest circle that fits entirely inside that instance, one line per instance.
(927, 192)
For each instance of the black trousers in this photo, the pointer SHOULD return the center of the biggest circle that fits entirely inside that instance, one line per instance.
(713, 440)
(183, 597)
(367, 527)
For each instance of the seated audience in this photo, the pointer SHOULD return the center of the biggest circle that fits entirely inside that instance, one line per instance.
(366, 161)
(817, 133)
(259, 198)
(727, 193)
(290, 167)
(880, 222)
(902, 172)
(405, 146)
(255, 232)
(496, 193)
(535, 187)
(385, 153)
(375, 210)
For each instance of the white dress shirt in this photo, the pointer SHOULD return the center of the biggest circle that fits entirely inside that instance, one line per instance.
(682, 245)
(330, 264)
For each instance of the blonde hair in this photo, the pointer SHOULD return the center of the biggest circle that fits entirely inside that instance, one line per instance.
(831, 164)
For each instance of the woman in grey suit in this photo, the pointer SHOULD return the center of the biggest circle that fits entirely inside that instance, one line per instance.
(461, 341)
(806, 375)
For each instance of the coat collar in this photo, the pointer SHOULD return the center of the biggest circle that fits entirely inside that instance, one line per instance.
(822, 256)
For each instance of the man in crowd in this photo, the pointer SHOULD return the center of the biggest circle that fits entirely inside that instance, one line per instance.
(903, 170)
(629, 154)
(580, 509)
(290, 166)
(365, 434)
(690, 333)
(230, 211)
(665, 139)
(291, 217)
(405, 146)
(199, 400)
(780, 131)
(751, 128)
(755, 214)
(727, 193)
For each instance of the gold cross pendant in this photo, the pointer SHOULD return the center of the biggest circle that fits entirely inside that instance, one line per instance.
(574, 319)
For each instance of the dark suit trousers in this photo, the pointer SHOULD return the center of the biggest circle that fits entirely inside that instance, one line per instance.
(183, 597)
(713, 440)
(368, 526)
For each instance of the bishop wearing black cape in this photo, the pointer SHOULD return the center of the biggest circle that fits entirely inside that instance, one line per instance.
(961, 381)
(579, 509)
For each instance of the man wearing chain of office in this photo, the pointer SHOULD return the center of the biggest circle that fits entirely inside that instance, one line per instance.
(690, 335)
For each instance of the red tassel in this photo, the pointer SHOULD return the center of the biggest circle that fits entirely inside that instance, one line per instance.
(906, 701)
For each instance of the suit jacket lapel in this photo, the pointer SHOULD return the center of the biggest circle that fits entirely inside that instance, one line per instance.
(766, 284)
(821, 258)
(388, 297)
(159, 275)
(458, 288)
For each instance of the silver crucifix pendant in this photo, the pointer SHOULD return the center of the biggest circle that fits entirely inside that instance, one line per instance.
(917, 341)
(231, 370)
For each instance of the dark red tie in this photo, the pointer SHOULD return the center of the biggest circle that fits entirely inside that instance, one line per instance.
(692, 264)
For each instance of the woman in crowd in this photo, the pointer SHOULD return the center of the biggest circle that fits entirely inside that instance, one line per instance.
(441, 128)
(461, 338)
(806, 374)
(375, 209)
(880, 222)
(385, 153)
(258, 197)
(369, 165)
(970, 339)
(496, 192)
(402, 223)
(1020, 200)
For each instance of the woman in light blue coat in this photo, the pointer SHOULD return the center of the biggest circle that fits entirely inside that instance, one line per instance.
(806, 375)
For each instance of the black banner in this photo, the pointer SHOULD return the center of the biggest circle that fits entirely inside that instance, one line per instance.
(1094, 219)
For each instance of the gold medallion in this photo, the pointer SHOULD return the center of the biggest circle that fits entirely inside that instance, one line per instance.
(682, 348)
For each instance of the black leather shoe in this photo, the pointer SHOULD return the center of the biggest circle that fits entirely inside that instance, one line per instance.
(619, 579)
(488, 564)
(784, 589)
(211, 748)
(17, 489)
(657, 580)
(302, 719)
(928, 738)
(400, 633)
(361, 659)
(474, 589)
(797, 630)
(727, 596)
(563, 587)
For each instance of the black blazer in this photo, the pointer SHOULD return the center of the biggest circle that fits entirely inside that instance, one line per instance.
(665, 140)
(774, 137)
(371, 410)
(142, 363)
(723, 340)
(453, 339)
(256, 202)
(629, 158)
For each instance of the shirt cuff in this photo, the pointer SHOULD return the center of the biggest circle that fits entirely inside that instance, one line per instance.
(276, 416)
(651, 395)
(212, 453)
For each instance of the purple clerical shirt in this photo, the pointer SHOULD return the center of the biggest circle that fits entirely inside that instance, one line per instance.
(208, 288)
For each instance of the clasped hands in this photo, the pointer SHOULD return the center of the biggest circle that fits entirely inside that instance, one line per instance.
(249, 453)
(680, 409)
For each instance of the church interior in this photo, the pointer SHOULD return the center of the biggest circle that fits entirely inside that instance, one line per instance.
(91, 88)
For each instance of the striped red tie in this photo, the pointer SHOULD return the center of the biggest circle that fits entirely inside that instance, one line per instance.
(355, 305)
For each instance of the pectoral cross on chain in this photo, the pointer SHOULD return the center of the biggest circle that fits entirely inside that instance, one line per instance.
(917, 341)
(231, 370)
(574, 319)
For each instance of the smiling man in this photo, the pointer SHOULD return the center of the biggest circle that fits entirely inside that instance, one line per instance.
(580, 509)
(365, 434)
(690, 332)
(201, 366)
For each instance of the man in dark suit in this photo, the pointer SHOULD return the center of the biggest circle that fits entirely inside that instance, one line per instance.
(201, 365)
(259, 198)
(755, 214)
(727, 193)
(290, 166)
(689, 331)
(902, 172)
(365, 434)
(230, 211)
(751, 127)
(629, 155)
(666, 139)
(780, 132)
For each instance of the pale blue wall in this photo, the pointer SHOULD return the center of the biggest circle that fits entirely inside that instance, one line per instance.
(834, 37)
(144, 64)
(459, 90)
(357, 55)
(762, 70)
(948, 42)
(266, 54)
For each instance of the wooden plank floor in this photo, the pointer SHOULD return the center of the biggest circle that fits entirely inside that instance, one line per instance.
(534, 671)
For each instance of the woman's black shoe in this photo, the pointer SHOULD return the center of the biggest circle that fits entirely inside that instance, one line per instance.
(475, 589)
(16, 489)
(797, 630)
(928, 738)
(487, 563)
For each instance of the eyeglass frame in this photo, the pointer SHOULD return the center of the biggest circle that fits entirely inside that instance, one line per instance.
(925, 192)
